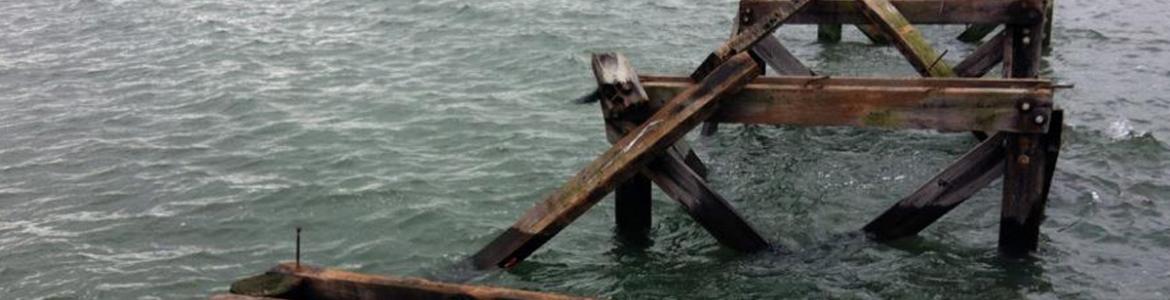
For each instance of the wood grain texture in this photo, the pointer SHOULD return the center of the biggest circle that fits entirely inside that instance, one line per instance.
(905, 37)
(941, 104)
(916, 11)
(678, 116)
(983, 59)
(331, 284)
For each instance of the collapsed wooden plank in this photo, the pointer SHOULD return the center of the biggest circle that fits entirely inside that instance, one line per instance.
(918, 12)
(958, 182)
(946, 105)
(615, 75)
(678, 116)
(327, 284)
(905, 37)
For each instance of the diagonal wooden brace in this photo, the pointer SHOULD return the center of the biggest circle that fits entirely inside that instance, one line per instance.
(664, 128)
(906, 38)
(670, 170)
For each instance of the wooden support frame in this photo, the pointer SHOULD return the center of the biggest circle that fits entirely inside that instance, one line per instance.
(626, 106)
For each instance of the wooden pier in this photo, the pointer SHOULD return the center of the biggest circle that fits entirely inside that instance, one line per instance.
(646, 117)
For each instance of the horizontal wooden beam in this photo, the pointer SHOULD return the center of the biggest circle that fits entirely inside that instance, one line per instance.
(943, 104)
(918, 12)
(326, 284)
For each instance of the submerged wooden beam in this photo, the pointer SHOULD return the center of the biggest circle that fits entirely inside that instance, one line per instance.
(678, 116)
(958, 182)
(905, 37)
(951, 104)
(918, 12)
(829, 33)
(328, 284)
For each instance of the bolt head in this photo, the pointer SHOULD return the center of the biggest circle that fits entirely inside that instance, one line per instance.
(1039, 120)
(1026, 106)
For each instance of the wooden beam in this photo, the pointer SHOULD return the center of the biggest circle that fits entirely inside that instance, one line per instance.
(777, 57)
(975, 33)
(670, 170)
(983, 59)
(874, 34)
(917, 12)
(947, 105)
(328, 284)
(679, 115)
(905, 37)
(829, 33)
(1030, 157)
(958, 182)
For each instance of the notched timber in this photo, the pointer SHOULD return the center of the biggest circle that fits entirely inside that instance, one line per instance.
(948, 105)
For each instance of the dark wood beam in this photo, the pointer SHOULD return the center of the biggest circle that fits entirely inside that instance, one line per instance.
(905, 37)
(958, 182)
(328, 284)
(983, 59)
(952, 104)
(918, 12)
(975, 33)
(665, 128)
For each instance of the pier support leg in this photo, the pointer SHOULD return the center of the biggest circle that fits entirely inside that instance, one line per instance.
(829, 33)
(976, 32)
(632, 200)
(1031, 158)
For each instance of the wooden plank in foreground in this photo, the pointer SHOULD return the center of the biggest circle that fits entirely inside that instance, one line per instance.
(678, 116)
(329, 284)
(949, 105)
(958, 182)
(917, 12)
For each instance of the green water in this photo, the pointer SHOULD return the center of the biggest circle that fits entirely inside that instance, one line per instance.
(162, 149)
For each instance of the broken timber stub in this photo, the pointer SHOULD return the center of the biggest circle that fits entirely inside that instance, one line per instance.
(646, 116)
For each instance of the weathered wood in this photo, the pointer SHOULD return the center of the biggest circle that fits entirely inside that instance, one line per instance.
(958, 182)
(975, 33)
(983, 59)
(755, 24)
(906, 38)
(779, 58)
(1026, 174)
(238, 297)
(947, 105)
(829, 33)
(268, 285)
(874, 34)
(670, 170)
(1048, 16)
(681, 114)
(327, 284)
(917, 12)
(632, 208)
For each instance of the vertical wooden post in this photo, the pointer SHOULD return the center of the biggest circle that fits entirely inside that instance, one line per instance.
(1048, 16)
(829, 33)
(1029, 156)
(632, 200)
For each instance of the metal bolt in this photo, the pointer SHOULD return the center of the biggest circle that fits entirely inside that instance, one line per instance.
(1024, 159)
(1039, 119)
(1026, 106)
(746, 19)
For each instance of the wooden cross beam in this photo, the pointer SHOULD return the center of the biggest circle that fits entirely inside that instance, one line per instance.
(918, 12)
(943, 104)
(628, 107)
(906, 38)
(662, 130)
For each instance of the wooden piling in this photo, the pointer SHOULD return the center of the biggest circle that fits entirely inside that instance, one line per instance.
(829, 33)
